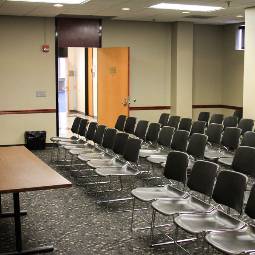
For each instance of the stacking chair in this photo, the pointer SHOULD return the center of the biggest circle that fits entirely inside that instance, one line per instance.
(164, 141)
(163, 119)
(74, 129)
(120, 123)
(229, 191)
(185, 124)
(130, 125)
(174, 121)
(217, 118)
(175, 170)
(248, 140)
(201, 180)
(179, 143)
(152, 135)
(239, 241)
(90, 147)
(246, 125)
(125, 167)
(196, 148)
(118, 149)
(214, 132)
(141, 129)
(238, 114)
(229, 143)
(204, 116)
(230, 121)
(81, 133)
(198, 127)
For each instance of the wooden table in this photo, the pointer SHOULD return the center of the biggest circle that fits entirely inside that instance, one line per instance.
(21, 171)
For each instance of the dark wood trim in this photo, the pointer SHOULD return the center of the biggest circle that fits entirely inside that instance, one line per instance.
(75, 111)
(144, 108)
(217, 106)
(140, 108)
(28, 111)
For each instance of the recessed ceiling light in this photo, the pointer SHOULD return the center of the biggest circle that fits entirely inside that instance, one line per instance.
(239, 16)
(54, 1)
(125, 9)
(186, 12)
(186, 7)
(58, 5)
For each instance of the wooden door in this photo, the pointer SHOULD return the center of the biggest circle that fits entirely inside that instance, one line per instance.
(113, 84)
(90, 82)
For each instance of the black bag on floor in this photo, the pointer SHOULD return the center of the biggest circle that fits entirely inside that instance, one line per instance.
(35, 140)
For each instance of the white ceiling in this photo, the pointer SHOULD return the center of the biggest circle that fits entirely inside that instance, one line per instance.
(138, 10)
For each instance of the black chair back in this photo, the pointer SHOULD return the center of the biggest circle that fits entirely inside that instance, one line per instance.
(217, 118)
(141, 129)
(229, 189)
(248, 139)
(120, 143)
(238, 114)
(174, 121)
(198, 127)
(91, 131)
(83, 127)
(196, 147)
(250, 208)
(244, 160)
(132, 149)
(165, 136)
(230, 121)
(120, 123)
(109, 137)
(214, 132)
(202, 177)
(163, 119)
(246, 125)
(152, 133)
(75, 125)
(180, 140)
(185, 124)
(98, 138)
(230, 138)
(204, 116)
(176, 166)
(130, 125)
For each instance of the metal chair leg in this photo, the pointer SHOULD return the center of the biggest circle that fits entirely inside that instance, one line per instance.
(153, 217)
(133, 212)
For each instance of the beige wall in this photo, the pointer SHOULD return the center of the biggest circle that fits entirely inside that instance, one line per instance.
(207, 67)
(150, 57)
(24, 69)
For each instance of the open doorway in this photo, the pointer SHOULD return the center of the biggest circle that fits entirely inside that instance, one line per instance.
(77, 86)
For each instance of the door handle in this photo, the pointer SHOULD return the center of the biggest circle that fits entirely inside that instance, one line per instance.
(125, 102)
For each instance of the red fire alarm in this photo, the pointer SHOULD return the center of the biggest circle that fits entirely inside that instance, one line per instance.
(45, 48)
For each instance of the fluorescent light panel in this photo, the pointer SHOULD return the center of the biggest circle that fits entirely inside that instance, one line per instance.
(186, 7)
(53, 1)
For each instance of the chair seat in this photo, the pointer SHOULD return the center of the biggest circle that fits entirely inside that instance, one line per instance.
(85, 149)
(70, 142)
(143, 153)
(147, 194)
(117, 171)
(213, 221)
(101, 163)
(57, 138)
(93, 155)
(233, 242)
(74, 146)
(157, 158)
(226, 161)
(182, 205)
(213, 154)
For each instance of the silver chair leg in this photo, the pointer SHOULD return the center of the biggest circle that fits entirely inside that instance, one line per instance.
(132, 216)
(153, 217)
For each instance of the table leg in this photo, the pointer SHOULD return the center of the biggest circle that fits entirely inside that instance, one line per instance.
(18, 234)
(9, 214)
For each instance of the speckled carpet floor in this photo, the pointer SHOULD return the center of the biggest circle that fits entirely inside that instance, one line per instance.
(70, 220)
